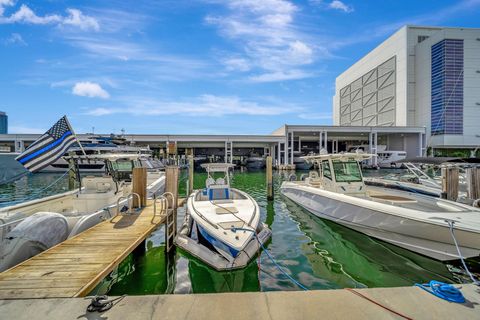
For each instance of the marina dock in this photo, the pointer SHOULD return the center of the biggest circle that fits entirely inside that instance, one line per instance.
(74, 267)
(407, 302)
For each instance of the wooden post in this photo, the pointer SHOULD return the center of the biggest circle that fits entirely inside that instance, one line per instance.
(450, 183)
(191, 167)
(139, 181)
(269, 178)
(171, 185)
(473, 179)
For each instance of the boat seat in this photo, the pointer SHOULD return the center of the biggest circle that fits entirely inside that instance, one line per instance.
(220, 181)
(218, 192)
(209, 182)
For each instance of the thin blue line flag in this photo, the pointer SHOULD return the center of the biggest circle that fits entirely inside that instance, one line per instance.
(49, 147)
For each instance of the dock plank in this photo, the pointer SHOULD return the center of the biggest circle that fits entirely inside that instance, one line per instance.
(73, 268)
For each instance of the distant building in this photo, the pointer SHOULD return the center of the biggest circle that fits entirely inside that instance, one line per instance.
(3, 123)
(420, 76)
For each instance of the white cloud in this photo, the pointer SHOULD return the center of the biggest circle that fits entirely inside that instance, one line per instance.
(5, 3)
(236, 64)
(26, 15)
(78, 19)
(315, 116)
(339, 5)
(89, 89)
(205, 105)
(15, 38)
(280, 76)
(269, 39)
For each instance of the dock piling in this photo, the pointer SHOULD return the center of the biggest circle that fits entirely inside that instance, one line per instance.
(191, 167)
(139, 181)
(269, 178)
(171, 186)
(473, 180)
(450, 183)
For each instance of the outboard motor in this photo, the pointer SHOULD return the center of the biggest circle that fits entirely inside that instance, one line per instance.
(33, 235)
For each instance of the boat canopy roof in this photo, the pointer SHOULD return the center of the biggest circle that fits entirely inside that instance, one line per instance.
(357, 156)
(439, 160)
(108, 156)
(217, 167)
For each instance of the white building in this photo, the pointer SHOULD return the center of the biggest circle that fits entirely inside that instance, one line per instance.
(420, 76)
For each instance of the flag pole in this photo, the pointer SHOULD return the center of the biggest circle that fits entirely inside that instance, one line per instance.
(75, 135)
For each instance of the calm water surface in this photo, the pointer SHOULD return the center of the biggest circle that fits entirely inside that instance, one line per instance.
(318, 253)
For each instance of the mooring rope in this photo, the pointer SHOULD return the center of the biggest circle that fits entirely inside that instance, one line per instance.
(273, 259)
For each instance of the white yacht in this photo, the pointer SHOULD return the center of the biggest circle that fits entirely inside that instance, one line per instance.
(222, 225)
(300, 163)
(29, 228)
(97, 145)
(255, 161)
(416, 222)
(385, 158)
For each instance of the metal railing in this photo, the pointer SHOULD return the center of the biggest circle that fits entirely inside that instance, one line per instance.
(130, 204)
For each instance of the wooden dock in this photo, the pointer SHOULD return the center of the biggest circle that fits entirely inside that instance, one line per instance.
(74, 267)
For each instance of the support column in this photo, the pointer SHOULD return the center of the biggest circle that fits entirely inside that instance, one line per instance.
(19, 146)
(299, 144)
(420, 145)
(279, 154)
(292, 148)
(372, 143)
(225, 159)
(285, 149)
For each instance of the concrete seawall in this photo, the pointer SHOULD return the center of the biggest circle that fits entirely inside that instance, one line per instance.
(411, 302)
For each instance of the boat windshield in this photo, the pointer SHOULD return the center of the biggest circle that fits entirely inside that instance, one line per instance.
(347, 171)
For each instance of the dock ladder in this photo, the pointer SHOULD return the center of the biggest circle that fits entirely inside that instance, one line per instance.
(168, 207)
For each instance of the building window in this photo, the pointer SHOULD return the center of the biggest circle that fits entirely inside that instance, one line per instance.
(421, 38)
(447, 87)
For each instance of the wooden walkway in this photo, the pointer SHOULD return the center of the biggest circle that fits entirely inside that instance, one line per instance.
(74, 267)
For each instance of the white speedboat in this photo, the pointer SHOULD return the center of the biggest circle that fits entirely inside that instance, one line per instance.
(416, 222)
(222, 224)
(255, 161)
(385, 158)
(29, 228)
(300, 163)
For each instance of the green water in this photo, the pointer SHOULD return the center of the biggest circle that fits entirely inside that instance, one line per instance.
(318, 253)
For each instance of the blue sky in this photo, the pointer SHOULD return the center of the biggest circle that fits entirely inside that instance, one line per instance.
(198, 66)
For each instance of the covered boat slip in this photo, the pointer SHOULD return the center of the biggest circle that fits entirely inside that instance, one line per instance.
(74, 267)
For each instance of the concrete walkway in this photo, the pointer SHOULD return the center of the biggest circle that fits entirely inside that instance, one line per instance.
(326, 304)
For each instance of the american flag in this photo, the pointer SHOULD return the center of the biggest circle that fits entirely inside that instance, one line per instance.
(49, 147)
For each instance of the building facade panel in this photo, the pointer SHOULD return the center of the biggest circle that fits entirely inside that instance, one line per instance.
(441, 94)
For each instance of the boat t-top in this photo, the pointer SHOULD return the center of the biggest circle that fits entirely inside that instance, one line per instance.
(416, 222)
(222, 224)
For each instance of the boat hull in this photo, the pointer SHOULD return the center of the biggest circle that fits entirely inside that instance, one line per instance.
(215, 227)
(255, 164)
(428, 239)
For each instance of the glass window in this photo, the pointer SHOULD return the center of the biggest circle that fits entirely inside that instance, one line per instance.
(347, 171)
(326, 169)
